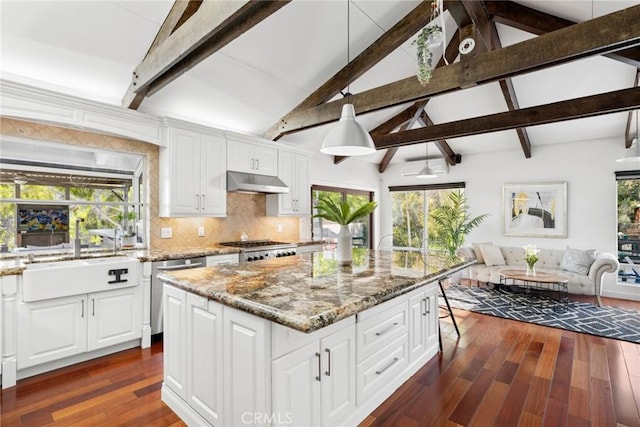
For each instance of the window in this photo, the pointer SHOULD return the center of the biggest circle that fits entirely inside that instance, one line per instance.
(361, 230)
(411, 205)
(45, 188)
(628, 184)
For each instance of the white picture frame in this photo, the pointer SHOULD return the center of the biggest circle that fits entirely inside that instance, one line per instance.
(535, 210)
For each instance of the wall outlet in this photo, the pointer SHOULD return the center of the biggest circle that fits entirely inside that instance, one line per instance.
(201, 231)
(279, 228)
(166, 232)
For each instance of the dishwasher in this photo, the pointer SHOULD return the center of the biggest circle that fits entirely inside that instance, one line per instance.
(156, 285)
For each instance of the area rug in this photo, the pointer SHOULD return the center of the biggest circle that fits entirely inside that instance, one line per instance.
(608, 322)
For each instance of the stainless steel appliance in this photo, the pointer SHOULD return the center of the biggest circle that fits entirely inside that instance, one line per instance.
(256, 250)
(156, 285)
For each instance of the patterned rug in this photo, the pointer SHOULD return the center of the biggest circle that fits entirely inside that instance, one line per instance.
(609, 322)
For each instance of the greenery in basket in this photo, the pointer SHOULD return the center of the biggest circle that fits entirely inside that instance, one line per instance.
(424, 55)
(342, 212)
(454, 222)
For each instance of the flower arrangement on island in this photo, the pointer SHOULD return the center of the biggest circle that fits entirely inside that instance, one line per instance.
(531, 257)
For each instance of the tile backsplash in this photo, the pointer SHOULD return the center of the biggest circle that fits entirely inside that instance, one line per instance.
(245, 213)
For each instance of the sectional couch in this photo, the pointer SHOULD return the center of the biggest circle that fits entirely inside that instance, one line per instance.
(584, 268)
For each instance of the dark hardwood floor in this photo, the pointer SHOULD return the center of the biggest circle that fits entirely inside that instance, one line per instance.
(499, 372)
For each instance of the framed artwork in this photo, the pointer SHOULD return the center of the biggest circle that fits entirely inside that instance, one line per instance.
(537, 210)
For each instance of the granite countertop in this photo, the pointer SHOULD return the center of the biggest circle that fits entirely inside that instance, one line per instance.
(310, 291)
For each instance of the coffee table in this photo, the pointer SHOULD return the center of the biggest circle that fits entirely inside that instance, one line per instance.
(542, 284)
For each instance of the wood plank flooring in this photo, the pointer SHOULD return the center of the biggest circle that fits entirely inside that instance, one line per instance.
(499, 372)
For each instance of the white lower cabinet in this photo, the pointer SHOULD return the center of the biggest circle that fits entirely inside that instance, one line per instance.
(274, 375)
(423, 324)
(315, 385)
(53, 329)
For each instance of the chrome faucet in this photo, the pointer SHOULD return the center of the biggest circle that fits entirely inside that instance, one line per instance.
(115, 240)
(76, 241)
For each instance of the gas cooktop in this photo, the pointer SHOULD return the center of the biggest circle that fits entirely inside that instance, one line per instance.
(256, 250)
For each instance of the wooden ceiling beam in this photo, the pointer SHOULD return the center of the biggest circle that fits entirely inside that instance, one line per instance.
(392, 39)
(628, 136)
(605, 34)
(180, 12)
(535, 22)
(589, 106)
(468, 12)
(214, 25)
(445, 149)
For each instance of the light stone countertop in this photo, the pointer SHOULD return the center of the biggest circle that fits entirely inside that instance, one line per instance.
(310, 291)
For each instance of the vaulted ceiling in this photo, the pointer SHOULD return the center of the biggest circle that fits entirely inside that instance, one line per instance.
(542, 72)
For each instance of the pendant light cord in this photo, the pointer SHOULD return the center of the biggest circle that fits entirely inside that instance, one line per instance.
(348, 52)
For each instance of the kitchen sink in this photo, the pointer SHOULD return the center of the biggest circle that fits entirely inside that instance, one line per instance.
(56, 279)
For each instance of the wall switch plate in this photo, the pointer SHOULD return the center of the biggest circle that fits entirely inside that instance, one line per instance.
(279, 228)
(201, 231)
(165, 232)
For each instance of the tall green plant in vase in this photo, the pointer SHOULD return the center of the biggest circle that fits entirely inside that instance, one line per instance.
(343, 213)
(454, 223)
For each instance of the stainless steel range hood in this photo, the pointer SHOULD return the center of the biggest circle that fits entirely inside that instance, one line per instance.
(252, 183)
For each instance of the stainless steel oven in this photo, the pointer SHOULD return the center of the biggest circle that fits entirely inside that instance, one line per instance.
(156, 285)
(256, 250)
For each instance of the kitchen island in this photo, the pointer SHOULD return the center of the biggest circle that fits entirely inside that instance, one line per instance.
(298, 340)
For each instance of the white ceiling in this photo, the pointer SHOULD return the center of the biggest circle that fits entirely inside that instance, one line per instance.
(90, 48)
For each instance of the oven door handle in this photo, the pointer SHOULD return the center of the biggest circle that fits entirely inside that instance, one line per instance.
(180, 267)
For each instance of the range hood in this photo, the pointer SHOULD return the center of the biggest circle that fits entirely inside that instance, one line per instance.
(252, 183)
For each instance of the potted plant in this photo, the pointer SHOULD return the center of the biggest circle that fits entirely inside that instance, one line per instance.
(427, 38)
(128, 228)
(454, 222)
(342, 213)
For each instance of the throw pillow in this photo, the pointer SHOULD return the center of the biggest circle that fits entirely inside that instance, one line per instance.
(492, 255)
(478, 252)
(577, 260)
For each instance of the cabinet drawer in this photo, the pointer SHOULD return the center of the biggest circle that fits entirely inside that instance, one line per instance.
(378, 331)
(380, 369)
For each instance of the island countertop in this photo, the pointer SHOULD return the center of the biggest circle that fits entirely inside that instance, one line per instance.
(310, 291)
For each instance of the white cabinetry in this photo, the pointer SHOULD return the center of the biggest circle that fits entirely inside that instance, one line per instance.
(214, 361)
(249, 157)
(423, 324)
(293, 170)
(315, 384)
(193, 179)
(53, 329)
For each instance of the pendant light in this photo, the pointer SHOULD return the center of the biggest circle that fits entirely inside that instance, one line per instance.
(348, 138)
(633, 153)
(426, 172)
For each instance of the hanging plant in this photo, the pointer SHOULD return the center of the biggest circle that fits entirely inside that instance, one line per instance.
(426, 38)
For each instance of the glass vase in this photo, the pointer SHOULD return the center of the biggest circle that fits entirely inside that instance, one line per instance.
(531, 269)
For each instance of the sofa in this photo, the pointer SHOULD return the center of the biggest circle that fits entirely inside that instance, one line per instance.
(583, 268)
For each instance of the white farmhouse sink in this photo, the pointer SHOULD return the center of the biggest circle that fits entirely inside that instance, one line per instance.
(79, 276)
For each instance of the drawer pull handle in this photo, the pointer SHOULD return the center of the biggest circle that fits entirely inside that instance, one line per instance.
(378, 334)
(93, 303)
(318, 378)
(82, 313)
(395, 359)
(328, 371)
(427, 309)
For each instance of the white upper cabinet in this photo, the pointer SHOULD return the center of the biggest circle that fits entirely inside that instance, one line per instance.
(293, 170)
(193, 179)
(244, 156)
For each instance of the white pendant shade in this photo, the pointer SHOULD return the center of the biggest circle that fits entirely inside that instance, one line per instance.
(633, 153)
(426, 172)
(348, 138)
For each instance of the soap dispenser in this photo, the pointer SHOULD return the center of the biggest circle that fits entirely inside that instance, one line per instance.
(244, 237)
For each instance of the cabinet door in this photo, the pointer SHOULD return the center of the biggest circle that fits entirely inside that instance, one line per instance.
(114, 317)
(184, 149)
(418, 326)
(338, 385)
(433, 327)
(296, 382)
(303, 190)
(213, 190)
(240, 156)
(50, 330)
(266, 160)
(174, 339)
(287, 173)
(247, 368)
(204, 349)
